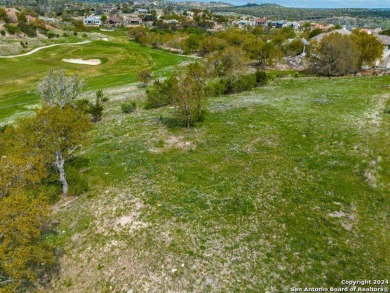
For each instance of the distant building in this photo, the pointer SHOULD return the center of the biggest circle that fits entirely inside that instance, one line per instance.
(132, 21)
(295, 25)
(261, 21)
(278, 23)
(141, 11)
(385, 62)
(92, 21)
(107, 8)
(242, 23)
(115, 21)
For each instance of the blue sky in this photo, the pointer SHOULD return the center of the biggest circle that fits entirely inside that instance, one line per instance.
(321, 4)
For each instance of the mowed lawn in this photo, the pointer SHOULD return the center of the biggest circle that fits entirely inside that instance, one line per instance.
(284, 186)
(121, 62)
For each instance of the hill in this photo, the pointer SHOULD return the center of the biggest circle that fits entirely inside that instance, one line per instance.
(280, 12)
(266, 194)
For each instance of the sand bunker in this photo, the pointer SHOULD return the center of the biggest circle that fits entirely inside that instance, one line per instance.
(81, 61)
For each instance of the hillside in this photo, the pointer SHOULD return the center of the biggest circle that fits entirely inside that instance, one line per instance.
(273, 11)
(286, 185)
(266, 194)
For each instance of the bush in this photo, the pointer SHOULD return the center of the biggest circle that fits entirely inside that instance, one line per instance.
(95, 110)
(129, 107)
(216, 88)
(261, 78)
(161, 93)
(232, 85)
(11, 29)
(82, 105)
(77, 184)
(28, 29)
(51, 35)
(2, 33)
(244, 83)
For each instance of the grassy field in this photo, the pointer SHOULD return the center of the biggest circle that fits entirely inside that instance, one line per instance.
(121, 62)
(284, 186)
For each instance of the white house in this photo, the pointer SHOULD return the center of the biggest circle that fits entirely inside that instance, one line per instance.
(385, 62)
(92, 21)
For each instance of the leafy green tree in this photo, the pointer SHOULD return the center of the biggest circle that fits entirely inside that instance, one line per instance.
(103, 18)
(227, 62)
(58, 89)
(3, 15)
(190, 97)
(211, 44)
(22, 18)
(336, 55)
(295, 47)
(315, 32)
(253, 47)
(23, 254)
(369, 47)
(52, 135)
(267, 54)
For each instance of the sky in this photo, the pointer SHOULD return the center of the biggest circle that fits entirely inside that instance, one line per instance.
(320, 3)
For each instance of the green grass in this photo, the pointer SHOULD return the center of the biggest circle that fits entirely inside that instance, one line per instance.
(284, 186)
(121, 62)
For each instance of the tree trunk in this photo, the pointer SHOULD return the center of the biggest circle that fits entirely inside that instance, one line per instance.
(59, 163)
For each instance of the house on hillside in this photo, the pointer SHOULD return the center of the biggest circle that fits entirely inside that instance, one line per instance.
(324, 28)
(243, 23)
(141, 11)
(261, 21)
(92, 21)
(385, 62)
(115, 21)
(107, 8)
(295, 25)
(132, 21)
(278, 23)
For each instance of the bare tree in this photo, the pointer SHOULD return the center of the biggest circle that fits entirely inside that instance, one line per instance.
(58, 89)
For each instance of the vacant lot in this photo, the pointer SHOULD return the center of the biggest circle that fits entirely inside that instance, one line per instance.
(284, 186)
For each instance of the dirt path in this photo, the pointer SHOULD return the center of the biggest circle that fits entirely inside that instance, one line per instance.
(44, 47)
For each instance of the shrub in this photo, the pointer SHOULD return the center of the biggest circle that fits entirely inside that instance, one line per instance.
(82, 105)
(129, 107)
(245, 83)
(2, 33)
(11, 29)
(261, 78)
(161, 93)
(77, 184)
(96, 111)
(216, 88)
(28, 29)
